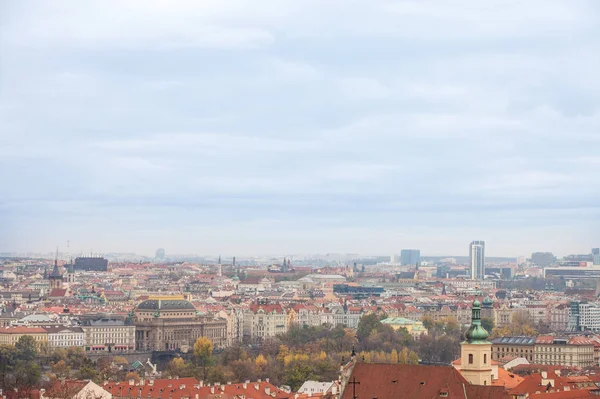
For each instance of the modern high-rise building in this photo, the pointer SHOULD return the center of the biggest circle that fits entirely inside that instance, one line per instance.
(160, 254)
(477, 259)
(410, 257)
(596, 256)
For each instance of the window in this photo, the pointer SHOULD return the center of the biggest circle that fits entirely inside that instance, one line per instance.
(470, 358)
(485, 358)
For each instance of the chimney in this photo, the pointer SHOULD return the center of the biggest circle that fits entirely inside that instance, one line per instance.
(259, 380)
(201, 383)
(245, 385)
(266, 379)
(256, 386)
(142, 382)
(223, 388)
(212, 390)
(131, 382)
(151, 382)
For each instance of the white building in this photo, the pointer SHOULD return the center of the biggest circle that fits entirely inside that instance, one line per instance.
(589, 316)
(108, 335)
(262, 321)
(64, 337)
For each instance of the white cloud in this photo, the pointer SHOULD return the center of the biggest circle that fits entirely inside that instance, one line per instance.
(333, 120)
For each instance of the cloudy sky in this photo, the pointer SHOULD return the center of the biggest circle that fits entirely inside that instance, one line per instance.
(301, 126)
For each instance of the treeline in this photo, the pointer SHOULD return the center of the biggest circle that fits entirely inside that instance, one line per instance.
(316, 353)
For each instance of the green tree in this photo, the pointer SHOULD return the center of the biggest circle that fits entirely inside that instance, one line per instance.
(366, 325)
(8, 356)
(487, 323)
(26, 348)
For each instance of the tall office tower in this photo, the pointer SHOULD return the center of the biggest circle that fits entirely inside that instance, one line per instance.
(596, 256)
(477, 259)
(159, 254)
(410, 257)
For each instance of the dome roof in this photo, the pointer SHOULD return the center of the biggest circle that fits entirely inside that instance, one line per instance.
(476, 303)
(166, 304)
(476, 333)
(487, 301)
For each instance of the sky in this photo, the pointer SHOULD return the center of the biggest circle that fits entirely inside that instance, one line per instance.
(300, 126)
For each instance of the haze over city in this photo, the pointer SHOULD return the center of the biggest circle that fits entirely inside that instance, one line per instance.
(279, 127)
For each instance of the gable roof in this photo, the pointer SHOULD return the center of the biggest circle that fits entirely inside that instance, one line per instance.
(391, 381)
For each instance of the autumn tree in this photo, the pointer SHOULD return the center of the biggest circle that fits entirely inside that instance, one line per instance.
(203, 350)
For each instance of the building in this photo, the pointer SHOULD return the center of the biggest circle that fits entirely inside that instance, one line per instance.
(596, 256)
(572, 272)
(64, 337)
(476, 352)
(55, 278)
(414, 328)
(559, 317)
(91, 263)
(410, 257)
(477, 259)
(11, 335)
(357, 291)
(262, 321)
(108, 335)
(543, 259)
(589, 317)
(164, 323)
(159, 254)
(393, 381)
(75, 390)
(520, 346)
(556, 351)
(234, 318)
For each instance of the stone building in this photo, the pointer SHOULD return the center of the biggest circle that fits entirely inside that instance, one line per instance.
(164, 324)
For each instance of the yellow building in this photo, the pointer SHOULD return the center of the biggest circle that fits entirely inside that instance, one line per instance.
(11, 335)
(414, 328)
(476, 352)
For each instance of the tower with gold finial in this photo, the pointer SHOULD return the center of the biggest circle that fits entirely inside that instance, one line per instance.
(476, 351)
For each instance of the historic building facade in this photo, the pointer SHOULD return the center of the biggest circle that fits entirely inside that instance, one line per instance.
(164, 324)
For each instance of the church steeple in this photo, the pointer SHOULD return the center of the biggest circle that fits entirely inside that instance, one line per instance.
(476, 352)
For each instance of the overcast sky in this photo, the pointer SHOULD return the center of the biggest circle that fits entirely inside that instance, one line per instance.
(286, 127)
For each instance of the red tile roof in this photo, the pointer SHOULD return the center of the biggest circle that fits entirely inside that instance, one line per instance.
(391, 381)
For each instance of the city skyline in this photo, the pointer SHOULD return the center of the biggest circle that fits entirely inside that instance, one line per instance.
(207, 128)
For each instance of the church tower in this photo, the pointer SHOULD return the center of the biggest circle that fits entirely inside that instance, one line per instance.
(71, 273)
(220, 268)
(55, 277)
(476, 351)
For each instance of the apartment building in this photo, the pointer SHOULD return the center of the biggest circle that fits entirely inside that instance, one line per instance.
(108, 335)
(64, 337)
(521, 346)
(266, 320)
(11, 335)
(574, 351)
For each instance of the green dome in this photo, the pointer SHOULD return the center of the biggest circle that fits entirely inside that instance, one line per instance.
(476, 303)
(488, 301)
(476, 333)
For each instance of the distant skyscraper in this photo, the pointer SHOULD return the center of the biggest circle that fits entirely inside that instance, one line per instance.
(596, 256)
(160, 254)
(410, 257)
(477, 259)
